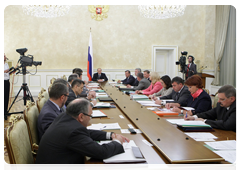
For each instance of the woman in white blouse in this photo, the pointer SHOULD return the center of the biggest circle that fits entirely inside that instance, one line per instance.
(167, 87)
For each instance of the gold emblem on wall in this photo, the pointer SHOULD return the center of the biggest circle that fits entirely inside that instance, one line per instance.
(98, 11)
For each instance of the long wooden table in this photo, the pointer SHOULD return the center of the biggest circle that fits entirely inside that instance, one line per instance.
(170, 145)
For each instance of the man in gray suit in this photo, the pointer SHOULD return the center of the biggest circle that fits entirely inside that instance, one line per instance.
(58, 95)
(179, 94)
(143, 83)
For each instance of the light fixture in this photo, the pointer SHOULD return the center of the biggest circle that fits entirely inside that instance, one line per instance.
(161, 11)
(46, 11)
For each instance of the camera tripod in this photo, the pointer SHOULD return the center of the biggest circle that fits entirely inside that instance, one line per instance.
(26, 93)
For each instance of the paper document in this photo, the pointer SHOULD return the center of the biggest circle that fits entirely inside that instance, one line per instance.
(128, 132)
(148, 103)
(107, 126)
(102, 104)
(169, 100)
(98, 113)
(183, 122)
(165, 110)
(127, 156)
(228, 155)
(93, 84)
(188, 108)
(223, 145)
(202, 136)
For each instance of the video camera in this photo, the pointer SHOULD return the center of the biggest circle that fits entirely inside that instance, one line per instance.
(182, 61)
(27, 60)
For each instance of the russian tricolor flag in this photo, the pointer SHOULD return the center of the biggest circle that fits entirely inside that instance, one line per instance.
(90, 60)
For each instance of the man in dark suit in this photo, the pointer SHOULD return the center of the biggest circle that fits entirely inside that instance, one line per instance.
(179, 94)
(224, 115)
(99, 76)
(143, 83)
(146, 75)
(191, 68)
(129, 78)
(77, 88)
(52, 108)
(68, 141)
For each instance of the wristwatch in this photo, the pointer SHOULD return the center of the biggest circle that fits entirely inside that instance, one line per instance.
(181, 111)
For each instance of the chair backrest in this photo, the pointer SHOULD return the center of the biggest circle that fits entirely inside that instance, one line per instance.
(64, 77)
(215, 100)
(46, 95)
(40, 102)
(206, 90)
(31, 116)
(18, 143)
(52, 80)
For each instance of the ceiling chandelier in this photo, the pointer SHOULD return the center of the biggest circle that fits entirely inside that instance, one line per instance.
(161, 11)
(46, 11)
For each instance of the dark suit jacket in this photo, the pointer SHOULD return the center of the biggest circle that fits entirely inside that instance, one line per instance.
(192, 70)
(67, 141)
(202, 103)
(136, 82)
(71, 97)
(143, 84)
(129, 80)
(221, 118)
(183, 96)
(47, 115)
(103, 76)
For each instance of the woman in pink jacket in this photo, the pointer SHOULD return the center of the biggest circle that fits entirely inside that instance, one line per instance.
(155, 85)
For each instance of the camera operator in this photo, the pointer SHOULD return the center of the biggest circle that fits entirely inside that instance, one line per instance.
(6, 85)
(191, 68)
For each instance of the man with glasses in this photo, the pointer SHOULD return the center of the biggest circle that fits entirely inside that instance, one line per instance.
(58, 96)
(224, 115)
(68, 141)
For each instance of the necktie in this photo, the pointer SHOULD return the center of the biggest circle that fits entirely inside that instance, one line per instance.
(177, 95)
(187, 70)
(99, 76)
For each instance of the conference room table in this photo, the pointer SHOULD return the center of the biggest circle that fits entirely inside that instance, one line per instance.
(170, 145)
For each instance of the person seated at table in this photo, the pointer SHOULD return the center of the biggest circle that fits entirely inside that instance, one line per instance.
(155, 85)
(179, 93)
(167, 87)
(68, 141)
(137, 70)
(128, 80)
(77, 88)
(224, 115)
(99, 76)
(146, 75)
(143, 83)
(72, 77)
(199, 99)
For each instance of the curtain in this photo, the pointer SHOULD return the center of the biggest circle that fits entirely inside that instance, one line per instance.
(228, 62)
(222, 16)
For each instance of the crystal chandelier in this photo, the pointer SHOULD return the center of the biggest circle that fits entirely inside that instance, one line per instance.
(46, 11)
(161, 11)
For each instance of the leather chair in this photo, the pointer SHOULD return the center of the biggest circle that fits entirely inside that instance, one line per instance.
(17, 142)
(31, 116)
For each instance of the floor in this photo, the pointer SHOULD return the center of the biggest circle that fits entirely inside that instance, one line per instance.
(17, 107)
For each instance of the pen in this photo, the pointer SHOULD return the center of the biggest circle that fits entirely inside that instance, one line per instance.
(186, 114)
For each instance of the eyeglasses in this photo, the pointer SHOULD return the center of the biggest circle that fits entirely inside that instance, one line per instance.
(222, 100)
(87, 115)
(66, 95)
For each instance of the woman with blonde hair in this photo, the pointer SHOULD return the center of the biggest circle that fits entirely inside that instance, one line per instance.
(155, 85)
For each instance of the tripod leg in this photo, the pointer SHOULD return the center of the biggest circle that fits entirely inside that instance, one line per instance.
(29, 94)
(14, 99)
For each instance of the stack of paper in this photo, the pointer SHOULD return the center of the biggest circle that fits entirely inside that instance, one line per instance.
(125, 157)
(187, 108)
(147, 103)
(98, 113)
(102, 104)
(139, 97)
(202, 136)
(107, 126)
(225, 149)
(101, 95)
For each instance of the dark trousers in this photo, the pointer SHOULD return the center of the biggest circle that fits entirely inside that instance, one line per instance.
(6, 95)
